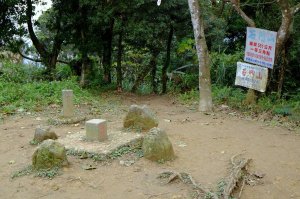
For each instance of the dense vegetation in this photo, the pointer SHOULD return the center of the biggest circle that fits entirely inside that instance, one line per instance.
(140, 47)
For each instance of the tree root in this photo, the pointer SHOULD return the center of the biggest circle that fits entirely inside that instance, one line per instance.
(187, 179)
(235, 176)
(238, 174)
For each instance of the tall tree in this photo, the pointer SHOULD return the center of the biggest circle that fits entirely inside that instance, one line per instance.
(205, 103)
(49, 56)
(11, 15)
(283, 33)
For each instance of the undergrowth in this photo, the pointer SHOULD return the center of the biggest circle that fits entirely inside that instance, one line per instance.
(44, 173)
(234, 97)
(35, 96)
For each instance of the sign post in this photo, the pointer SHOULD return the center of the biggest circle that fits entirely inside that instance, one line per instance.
(251, 76)
(260, 47)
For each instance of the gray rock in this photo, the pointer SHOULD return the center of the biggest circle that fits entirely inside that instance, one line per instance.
(49, 154)
(44, 133)
(157, 146)
(140, 117)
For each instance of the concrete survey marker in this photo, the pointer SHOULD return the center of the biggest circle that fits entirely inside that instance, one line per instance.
(68, 107)
(96, 130)
(77, 143)
(69, 115)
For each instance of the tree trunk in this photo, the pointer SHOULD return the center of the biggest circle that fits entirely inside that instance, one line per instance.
(107, 52)
(167, 62)
(283, 34)
(205, 103)
(84, 70)
(49, 58)
(281, 73)
(119, 60)
(145, 72)
(153, 74)
(251, 96)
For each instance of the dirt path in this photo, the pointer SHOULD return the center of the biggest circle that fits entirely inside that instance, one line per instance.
(203, 144)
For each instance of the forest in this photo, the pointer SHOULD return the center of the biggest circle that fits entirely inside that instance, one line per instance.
(140, 47)
(150, 99)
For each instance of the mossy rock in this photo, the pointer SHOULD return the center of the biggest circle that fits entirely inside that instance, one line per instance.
(140, 117)
(157, 146)
(48, 155)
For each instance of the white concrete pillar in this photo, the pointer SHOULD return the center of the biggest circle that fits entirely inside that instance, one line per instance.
(96, 130)
(68, 107)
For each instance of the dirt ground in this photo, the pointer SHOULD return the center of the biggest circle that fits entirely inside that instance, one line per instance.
(203, 144)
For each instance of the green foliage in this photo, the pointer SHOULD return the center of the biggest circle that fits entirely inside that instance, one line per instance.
(44, 173)
(285, 107)
(189, 97)
(63, 71)
(48, 173)
(223, 67)
(33, 142)
(36, 96)
(28, 170)
(228, 95)
(121, 151)
(19, 73)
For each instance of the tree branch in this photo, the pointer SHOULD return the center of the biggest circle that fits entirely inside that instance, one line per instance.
(63, 62)
(38, 45)
(38, 60)
(237, 8)
(29, 58)
(296, 8)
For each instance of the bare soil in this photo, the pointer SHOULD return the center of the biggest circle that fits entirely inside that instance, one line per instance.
(203, 143)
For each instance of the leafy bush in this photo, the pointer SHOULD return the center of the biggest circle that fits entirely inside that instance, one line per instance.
(19, 73)
(63, 71)
(228, 95)
(223, 68)
(189, 97)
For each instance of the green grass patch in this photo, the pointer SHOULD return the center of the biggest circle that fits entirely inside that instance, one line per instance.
(35, 96)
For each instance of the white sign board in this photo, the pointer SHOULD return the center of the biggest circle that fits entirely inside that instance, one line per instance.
(251, 76)
(260, 47)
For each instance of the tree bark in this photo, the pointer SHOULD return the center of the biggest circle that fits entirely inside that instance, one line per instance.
(107, 52)
(205, 103)
(84, 70)
(37, 44)
(283, 35)
(119, 59)
(285, 27)
(281, 73)
(153, 74)
(164, 77)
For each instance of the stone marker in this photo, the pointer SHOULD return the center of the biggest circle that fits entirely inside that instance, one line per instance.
(44, 133)
(96, 130)
(48, 155)
(140, 117)
(68, 108)
(157, 146)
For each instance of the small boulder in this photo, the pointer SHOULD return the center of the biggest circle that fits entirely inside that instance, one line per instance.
(140, 117)
(44, 133)
(157, 146)
(49, 154)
